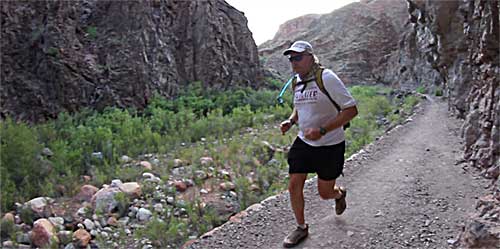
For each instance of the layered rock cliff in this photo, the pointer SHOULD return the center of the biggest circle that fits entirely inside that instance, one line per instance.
(66, 55)
(454, 45)
(355, 41)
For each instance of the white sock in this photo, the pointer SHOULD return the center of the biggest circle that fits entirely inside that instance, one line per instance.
(303, 226)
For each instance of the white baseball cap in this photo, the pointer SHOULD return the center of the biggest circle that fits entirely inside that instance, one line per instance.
(299, 47)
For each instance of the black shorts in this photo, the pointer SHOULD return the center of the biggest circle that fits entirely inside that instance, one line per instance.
(326, 161)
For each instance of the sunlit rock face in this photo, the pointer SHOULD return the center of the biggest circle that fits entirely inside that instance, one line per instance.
(65, 55)
(356, 41)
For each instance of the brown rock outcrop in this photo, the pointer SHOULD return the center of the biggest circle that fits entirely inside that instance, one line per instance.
(291, 27)
(355, 41)
(66, 55)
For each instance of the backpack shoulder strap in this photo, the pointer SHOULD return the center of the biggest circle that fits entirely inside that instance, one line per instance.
(319, 79)
(321, 85)
(294, 82)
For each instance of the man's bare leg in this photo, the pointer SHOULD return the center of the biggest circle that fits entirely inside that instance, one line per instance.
(327, 189)
(296, 189)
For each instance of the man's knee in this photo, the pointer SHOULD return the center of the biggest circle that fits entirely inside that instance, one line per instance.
(296, 183)
(325, 189)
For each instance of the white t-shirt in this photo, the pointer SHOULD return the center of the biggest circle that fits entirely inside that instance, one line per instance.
(315, 108)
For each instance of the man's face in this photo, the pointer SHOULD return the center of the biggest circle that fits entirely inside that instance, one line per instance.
(301, 62)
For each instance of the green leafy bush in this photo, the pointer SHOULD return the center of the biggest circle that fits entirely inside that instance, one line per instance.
(171, 231)
(421, 90)
(92, 32)
(409, 103)
(20, 170)
(438, 92)
(7, 229)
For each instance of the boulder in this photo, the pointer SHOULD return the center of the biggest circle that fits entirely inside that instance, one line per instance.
(9, 217)
(178, 163)
(86, 193)
(131, 189)
(81, 238)
(104, 200)
(147, 165)
(206, 160)
(143, 214)
(180, 186)
(43, 233)
(226, 186)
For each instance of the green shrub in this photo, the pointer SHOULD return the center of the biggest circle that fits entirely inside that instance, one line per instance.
(245, 196)
(201, 219)
(26, 214)
(438, 92)
(421, 90)
(242, 116)
(409, 103)
(7, 229)
(52, 51)
(22, 174)
(273, 85)
(395, 118)
(92, 32)
(361, 132)
(123, 203)
(163, 233)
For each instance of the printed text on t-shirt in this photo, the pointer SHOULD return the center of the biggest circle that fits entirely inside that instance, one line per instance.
(309, 95)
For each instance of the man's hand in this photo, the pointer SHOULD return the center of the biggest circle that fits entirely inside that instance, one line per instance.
(312, 134)
(285, 126)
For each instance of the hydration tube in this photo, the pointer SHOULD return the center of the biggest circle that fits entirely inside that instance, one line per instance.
(283, 89)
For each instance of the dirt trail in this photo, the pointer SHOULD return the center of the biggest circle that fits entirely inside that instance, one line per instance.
(404, 191)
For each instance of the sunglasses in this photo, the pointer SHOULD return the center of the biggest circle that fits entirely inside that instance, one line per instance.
(296, 58)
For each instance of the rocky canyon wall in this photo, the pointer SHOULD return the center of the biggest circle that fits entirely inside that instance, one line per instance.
(66, 55)
(454, 46)
(355, 41)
